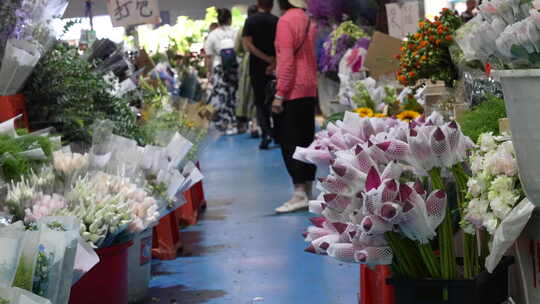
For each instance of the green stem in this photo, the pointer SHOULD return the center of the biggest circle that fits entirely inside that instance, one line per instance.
(470, 255)
(430, 260)
(484, 248)
(406, 256)
(446, 233)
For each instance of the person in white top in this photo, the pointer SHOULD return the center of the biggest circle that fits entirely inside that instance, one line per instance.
(222, 66)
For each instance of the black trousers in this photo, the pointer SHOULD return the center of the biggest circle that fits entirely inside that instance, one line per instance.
(297, 129)
(264, 111)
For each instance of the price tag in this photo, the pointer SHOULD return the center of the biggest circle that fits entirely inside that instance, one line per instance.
(403, 18)
(133, 12)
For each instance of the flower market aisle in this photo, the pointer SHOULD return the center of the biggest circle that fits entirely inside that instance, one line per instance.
(241, 252)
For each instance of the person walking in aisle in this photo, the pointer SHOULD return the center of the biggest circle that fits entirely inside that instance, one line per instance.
(296, 96)
(259, 35)
(245, 105)
(222, 65)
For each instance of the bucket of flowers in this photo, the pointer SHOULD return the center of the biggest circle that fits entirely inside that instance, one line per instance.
(386, 202)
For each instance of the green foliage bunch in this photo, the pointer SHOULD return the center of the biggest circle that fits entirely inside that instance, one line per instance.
(13, 165)
(483, 118)
(66, 93)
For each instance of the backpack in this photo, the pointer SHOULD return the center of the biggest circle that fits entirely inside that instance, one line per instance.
(229, 58)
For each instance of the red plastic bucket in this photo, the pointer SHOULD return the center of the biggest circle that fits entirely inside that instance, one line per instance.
(11, 106)
(107, 282)
(373, 286)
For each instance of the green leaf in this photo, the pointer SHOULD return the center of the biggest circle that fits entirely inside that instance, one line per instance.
(519, 51)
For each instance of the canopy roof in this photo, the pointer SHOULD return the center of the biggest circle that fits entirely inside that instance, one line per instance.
(195, 9)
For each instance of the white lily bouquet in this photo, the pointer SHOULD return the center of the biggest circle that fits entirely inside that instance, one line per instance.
(28, 41)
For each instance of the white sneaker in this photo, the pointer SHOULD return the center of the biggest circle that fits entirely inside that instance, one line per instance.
(298, 202)
(232, 131)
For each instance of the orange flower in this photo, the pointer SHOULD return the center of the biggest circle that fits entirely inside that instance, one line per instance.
(449, 38)
(421, 24)
(412, 74)
(423, 58)
(417, 36)
(402, 49)
(438, 42)
(403, 79)
(437, 23)
(431, 38)
(379, 115)
(445, 10)
(424, 43)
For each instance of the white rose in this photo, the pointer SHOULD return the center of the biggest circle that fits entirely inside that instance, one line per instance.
(475, 187)
(487, 142)
(502, 184)
(500, 207)
(491, 223)
(477, 164)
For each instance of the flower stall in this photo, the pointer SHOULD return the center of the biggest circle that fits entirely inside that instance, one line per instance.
(428, 193)
(83, 179)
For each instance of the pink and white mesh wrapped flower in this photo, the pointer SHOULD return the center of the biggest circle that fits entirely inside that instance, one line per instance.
(364, 196)
(437, 146)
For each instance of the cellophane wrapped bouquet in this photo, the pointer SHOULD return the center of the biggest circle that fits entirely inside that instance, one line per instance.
(505, 34)
(385, 200)
(27, 34)
(341, 39)
(351, 70)
(496, 201)
(372, 99)
(38, 260)
(190, 120)
(157, 168)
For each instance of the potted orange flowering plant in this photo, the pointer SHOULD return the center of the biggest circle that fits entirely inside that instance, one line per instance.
(426, 53)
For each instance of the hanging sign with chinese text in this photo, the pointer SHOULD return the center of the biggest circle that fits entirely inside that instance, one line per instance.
(133, 12)
(402, 18)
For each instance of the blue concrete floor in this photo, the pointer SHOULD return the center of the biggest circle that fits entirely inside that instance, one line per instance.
(241, 252)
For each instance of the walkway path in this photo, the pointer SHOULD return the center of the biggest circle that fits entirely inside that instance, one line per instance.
(241, 252)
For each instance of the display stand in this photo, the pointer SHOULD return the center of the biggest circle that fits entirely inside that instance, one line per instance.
(167, 239)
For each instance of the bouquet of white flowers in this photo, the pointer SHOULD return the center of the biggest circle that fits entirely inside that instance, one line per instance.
(496, 201)
(494, 188)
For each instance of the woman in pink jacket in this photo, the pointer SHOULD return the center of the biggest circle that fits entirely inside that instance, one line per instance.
(296, 95)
